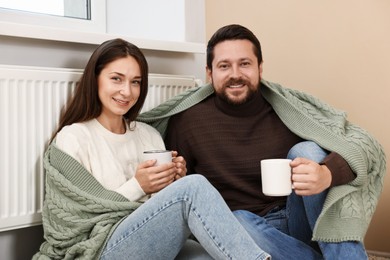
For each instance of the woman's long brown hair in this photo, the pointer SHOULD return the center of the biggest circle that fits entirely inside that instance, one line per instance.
(85, 104)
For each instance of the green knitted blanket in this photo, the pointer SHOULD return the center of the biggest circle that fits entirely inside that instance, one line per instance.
(78, 213)
(348, 208)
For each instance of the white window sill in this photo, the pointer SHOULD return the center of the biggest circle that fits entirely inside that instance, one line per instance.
(55, 34)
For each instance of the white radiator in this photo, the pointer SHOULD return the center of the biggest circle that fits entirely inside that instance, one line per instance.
(31, 99)
(163, 86)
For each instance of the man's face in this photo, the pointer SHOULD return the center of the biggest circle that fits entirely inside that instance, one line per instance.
(235, 72)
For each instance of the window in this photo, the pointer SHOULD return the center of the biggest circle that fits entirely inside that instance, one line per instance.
(95, 21)
(79, 15)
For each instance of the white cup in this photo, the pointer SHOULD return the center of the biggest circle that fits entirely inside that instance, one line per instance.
(276, 177)
(162, 156)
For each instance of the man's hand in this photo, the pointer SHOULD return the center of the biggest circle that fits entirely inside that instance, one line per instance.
(309, 177)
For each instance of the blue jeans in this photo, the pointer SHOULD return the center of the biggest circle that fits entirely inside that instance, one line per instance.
(159, 228)
(285, 233)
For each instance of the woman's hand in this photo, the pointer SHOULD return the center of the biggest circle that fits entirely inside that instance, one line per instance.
(154, 178)
(180, 163)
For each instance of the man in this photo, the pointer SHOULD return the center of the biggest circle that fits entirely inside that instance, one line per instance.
(225, 129)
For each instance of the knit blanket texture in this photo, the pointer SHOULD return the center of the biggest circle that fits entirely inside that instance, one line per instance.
(79, 214)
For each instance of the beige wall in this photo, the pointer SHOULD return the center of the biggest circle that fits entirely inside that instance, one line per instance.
(338, 51)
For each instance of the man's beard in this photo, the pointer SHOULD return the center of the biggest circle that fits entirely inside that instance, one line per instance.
(250, 93)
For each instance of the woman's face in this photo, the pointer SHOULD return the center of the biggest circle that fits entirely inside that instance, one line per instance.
(119, 86)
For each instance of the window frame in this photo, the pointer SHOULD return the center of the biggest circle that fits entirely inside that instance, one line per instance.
(97, 23)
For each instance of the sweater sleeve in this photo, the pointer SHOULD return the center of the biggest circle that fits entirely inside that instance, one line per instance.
(70, 144)
(339, 168)
(131, 190)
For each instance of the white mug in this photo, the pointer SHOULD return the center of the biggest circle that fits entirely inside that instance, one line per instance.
(276, 177)
(162, 156)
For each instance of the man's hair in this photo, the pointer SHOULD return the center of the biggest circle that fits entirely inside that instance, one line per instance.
(232, 32)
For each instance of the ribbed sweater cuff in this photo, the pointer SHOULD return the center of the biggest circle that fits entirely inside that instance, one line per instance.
(339, 168)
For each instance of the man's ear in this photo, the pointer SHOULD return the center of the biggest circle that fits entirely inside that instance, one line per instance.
(261, 70)
(208, 74)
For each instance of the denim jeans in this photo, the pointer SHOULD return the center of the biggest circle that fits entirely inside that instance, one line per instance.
(159, 228)
(285, 233)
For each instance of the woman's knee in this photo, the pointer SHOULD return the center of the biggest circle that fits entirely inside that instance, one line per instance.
(307, 149)
(195, 179)
(196, 182)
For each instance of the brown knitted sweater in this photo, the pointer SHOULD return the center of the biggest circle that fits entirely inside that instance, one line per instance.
(226, 143)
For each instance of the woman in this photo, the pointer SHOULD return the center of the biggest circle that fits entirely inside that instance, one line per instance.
(97, 201)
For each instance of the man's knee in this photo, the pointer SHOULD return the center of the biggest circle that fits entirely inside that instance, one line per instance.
(307, 149)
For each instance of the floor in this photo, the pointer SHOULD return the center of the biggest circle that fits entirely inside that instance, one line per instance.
(372, 257)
